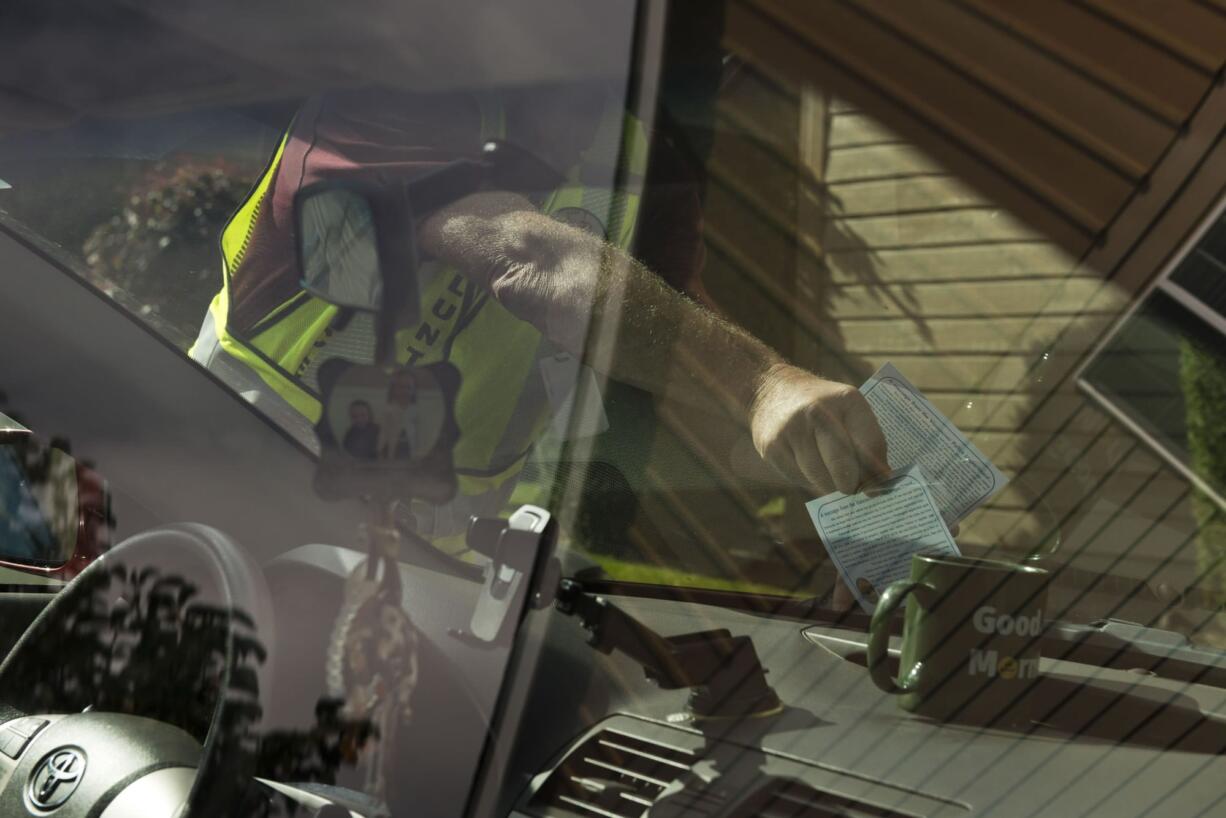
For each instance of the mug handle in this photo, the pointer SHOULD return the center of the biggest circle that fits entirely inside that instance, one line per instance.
(879, 636)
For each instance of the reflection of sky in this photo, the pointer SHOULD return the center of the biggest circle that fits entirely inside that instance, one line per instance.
(24, 531)
(194, 131)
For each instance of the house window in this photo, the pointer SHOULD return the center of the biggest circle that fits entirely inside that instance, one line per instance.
(1163, 370)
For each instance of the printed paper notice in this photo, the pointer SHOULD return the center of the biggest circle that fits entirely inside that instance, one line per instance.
(871, 538)
(960, 476)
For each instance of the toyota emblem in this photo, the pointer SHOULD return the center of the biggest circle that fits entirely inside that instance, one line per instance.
(56, 778)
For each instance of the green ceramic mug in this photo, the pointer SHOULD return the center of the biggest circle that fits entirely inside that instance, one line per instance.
(970, 644)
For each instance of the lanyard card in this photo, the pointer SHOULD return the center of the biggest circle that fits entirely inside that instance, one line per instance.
(574, 395)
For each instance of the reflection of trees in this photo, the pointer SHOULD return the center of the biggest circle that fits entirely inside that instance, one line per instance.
(159, 254)
(133, 641)
(1204, 393)
(137, 642)
(316, 754)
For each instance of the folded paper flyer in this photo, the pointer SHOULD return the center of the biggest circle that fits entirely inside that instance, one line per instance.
(871, 539)
(939, 477)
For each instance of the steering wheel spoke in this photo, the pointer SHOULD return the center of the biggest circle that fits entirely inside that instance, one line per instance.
(76, 762)
(150, 667)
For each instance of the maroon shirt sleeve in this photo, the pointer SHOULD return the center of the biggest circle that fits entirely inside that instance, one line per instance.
(376, 137)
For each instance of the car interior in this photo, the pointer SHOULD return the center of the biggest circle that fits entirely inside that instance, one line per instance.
(650, 627)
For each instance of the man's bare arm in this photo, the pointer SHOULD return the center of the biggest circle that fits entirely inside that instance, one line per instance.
(818, 432)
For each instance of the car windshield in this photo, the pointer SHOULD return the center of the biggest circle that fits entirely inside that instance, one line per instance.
(779, 206)
(549, 408)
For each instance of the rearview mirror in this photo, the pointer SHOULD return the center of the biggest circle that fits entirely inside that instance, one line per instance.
(338, 248)
(355, 240)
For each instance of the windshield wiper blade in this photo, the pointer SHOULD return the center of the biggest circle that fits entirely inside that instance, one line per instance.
(1116, 643)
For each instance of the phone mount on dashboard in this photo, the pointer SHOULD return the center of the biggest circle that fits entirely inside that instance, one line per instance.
(522, 572)
(723, 672)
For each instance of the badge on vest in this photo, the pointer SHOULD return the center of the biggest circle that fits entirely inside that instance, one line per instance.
(585, 220)
(574, 395)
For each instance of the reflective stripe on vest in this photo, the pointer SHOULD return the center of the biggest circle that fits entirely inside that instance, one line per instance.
(501, 408)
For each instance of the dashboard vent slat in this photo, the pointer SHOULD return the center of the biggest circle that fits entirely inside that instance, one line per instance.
(591, 809)
(604, 765)
(787, 798)
(612, 775)
(616, 775)
(622, 747)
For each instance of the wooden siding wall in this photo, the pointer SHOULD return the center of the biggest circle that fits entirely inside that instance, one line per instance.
(955, 220)
(989, 318)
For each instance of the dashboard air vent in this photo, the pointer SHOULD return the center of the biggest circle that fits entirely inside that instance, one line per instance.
(611, 775)
(788, 798)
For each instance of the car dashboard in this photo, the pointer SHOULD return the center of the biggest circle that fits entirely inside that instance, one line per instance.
(577, 732)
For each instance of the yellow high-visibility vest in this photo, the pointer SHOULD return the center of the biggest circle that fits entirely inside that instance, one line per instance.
(498, 409)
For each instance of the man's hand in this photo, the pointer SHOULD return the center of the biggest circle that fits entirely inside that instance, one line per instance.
(820, 433)
(544, 272)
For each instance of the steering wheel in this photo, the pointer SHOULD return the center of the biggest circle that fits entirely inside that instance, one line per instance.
(104, 699)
